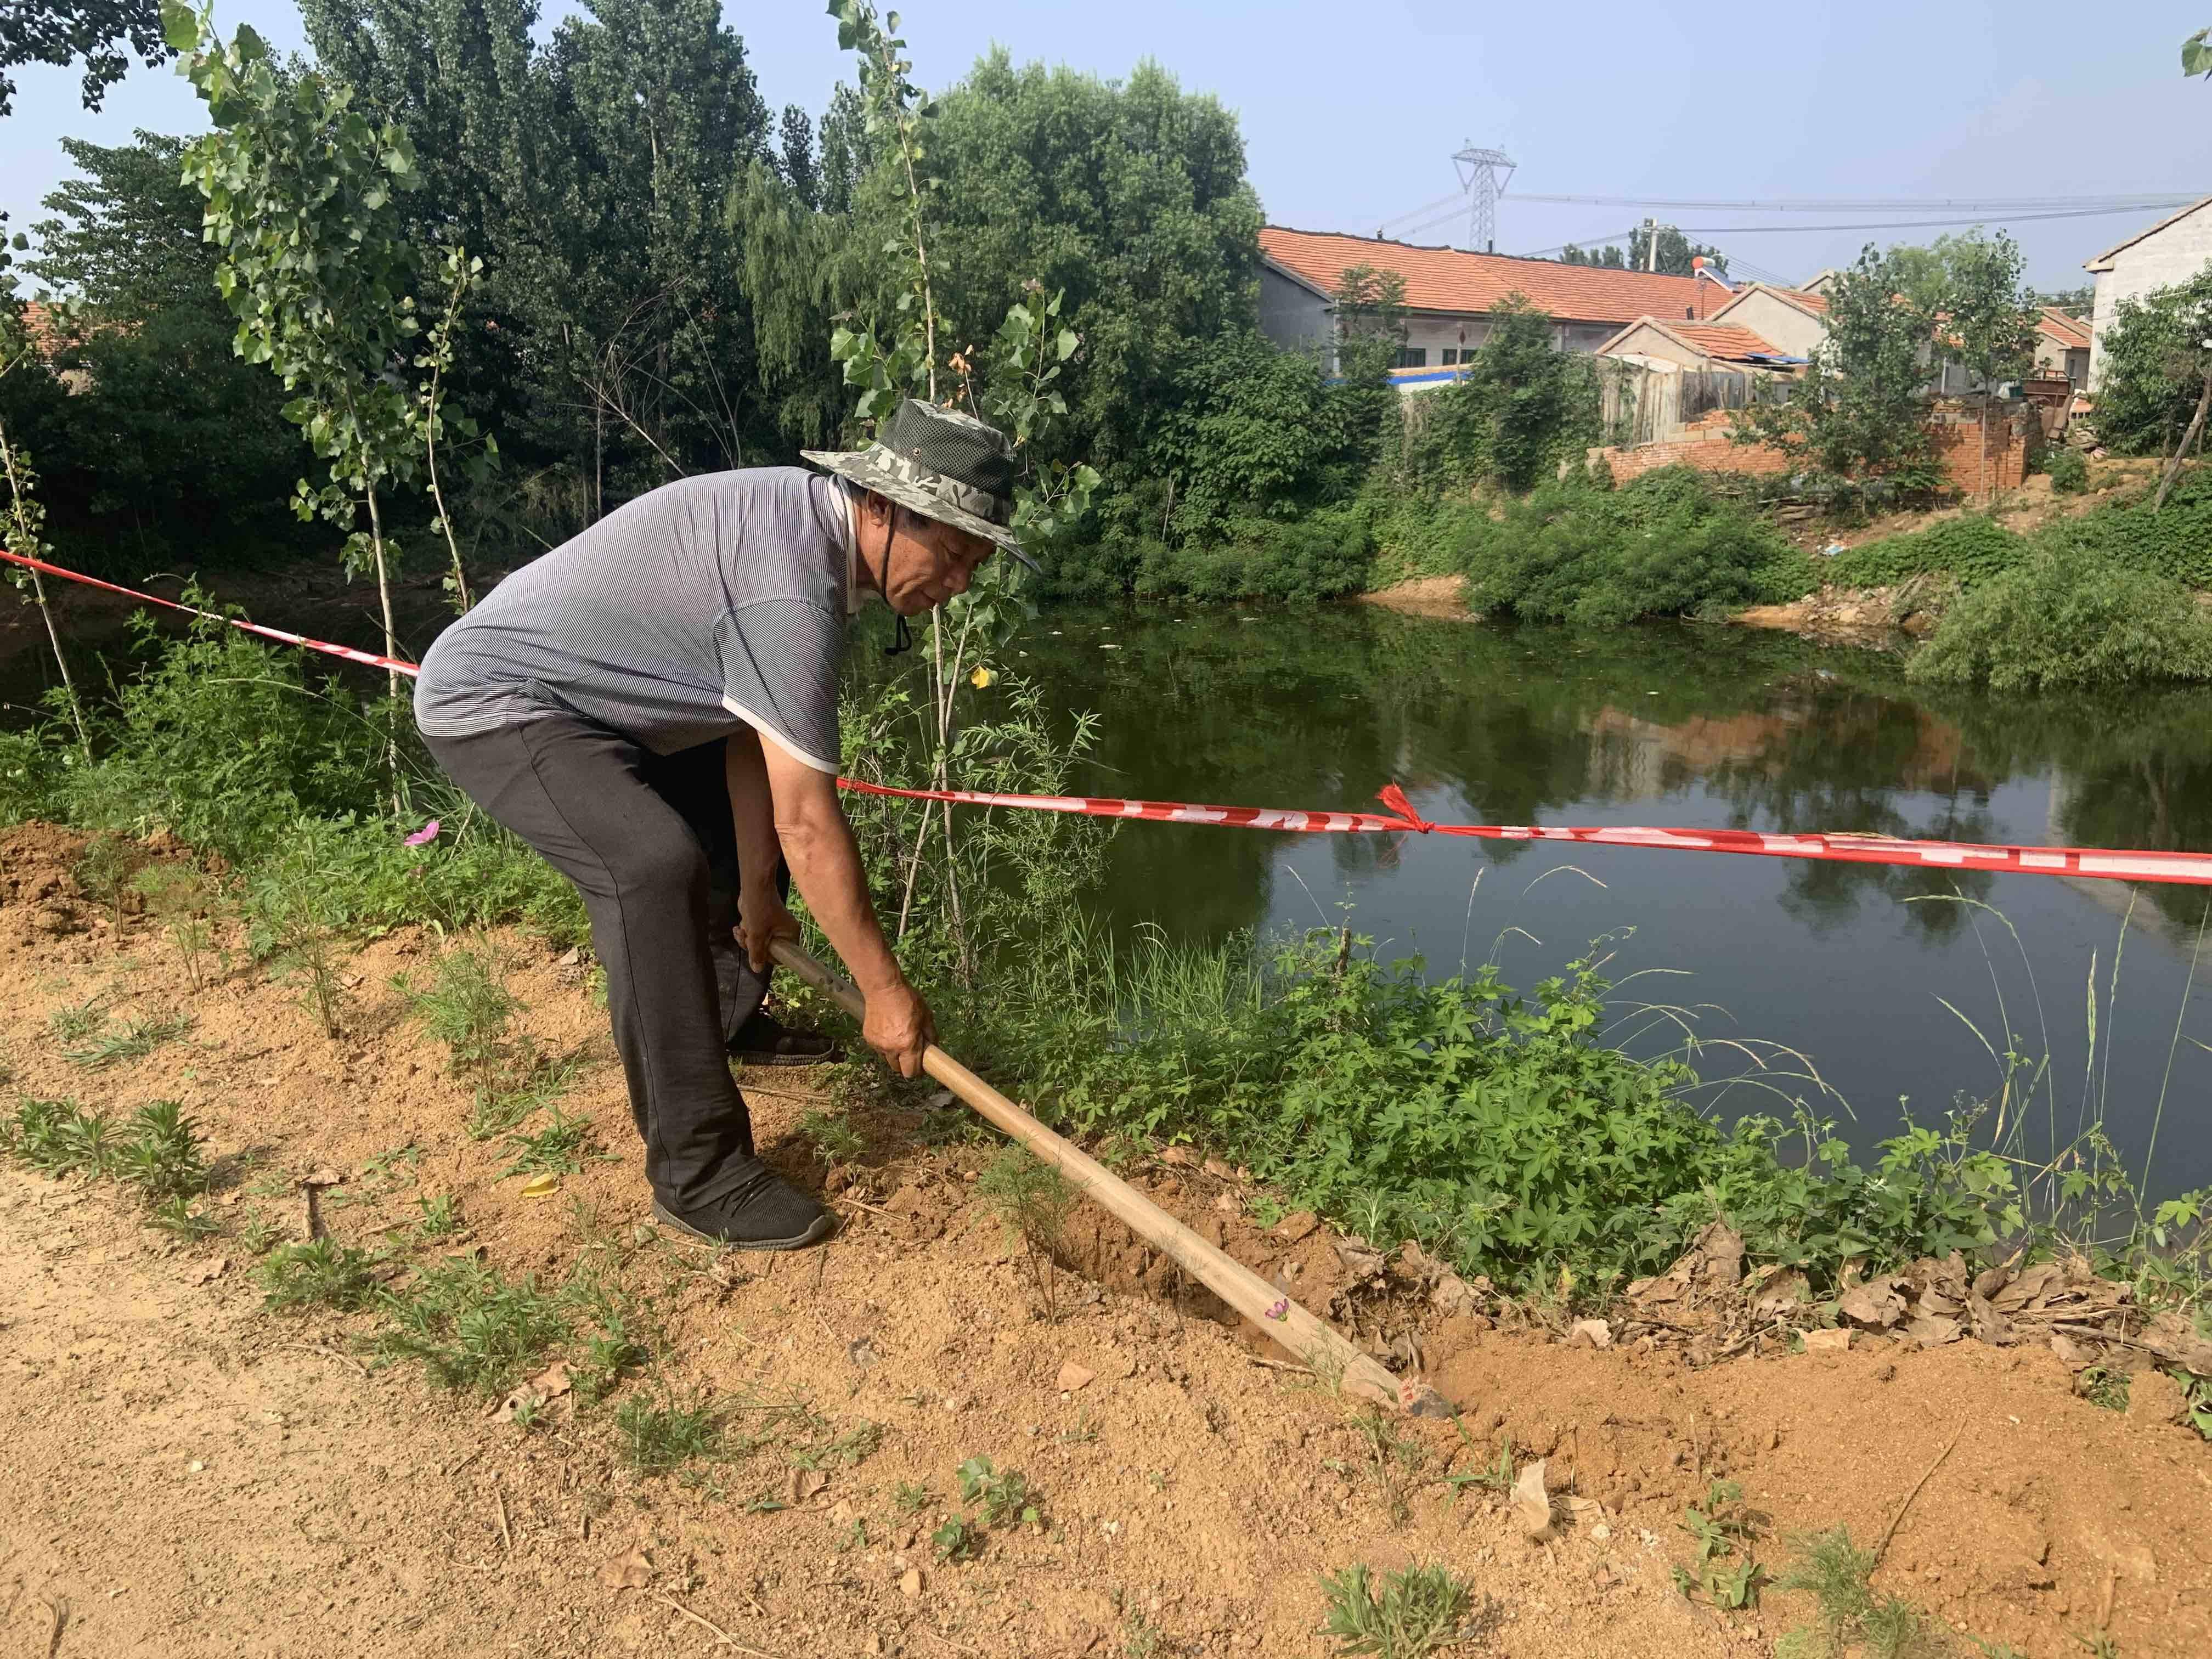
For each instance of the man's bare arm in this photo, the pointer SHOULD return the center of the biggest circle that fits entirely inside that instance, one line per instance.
(746, 774)
(825, 863)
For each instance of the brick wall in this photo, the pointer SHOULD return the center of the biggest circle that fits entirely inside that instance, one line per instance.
(1975, 463)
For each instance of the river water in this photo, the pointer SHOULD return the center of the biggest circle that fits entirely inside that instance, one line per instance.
(1852, 966)
(1686, 724)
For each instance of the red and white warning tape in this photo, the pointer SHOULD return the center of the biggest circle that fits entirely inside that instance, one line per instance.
(2103, 864)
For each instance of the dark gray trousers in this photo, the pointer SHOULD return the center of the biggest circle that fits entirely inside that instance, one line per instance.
(649, 842)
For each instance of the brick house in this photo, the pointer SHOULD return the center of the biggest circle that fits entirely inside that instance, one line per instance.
(1700, 347)
(1451, 295)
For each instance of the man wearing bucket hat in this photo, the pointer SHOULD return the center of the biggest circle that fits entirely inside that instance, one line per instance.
(653, 706)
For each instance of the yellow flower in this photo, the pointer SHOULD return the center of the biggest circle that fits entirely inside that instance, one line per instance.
(981, 678)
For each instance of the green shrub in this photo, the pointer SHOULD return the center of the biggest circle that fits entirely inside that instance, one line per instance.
(1973, 548)
(2068, 470)
(2069, 619)
(1664, 544)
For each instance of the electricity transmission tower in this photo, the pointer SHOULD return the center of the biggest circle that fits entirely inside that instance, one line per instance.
(1482, 175)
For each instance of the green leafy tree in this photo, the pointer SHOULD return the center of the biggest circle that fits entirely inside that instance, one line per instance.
(1857, 412)
(842, 152)
(1128, 198)
(796, 160)
(610, 336)
(1522, 407)
(2152, 362)
(1677, 253)
(102, 34)
(300, 192)
(168, 430)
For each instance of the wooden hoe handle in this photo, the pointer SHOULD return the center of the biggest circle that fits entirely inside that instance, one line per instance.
(1312, 1342)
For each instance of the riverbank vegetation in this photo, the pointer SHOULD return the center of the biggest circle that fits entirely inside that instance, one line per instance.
(1498, 1126)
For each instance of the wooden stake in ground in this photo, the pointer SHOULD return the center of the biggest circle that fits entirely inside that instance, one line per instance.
(1299, 1334)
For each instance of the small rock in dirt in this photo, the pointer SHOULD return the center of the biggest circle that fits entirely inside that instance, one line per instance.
(324, 1176)
(207, 1271)
(1296, 1225)
(909, 1582)
(1834, 1341)
(2154, 1397)
(861, 1353)
(1532, 1504)
(571, 957)
(942, 1101)
(1593, 1332)
(1885, 1372)
(1072, 1376)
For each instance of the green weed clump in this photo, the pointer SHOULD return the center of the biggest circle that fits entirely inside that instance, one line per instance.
(158, 1154)
(1401, 1615)
(1849, 1614)
(659, 1435)
(1494, 1127)
(2068, 470)
(471, 1327)
(466, 1007)
(2070, 619)
(321, 1274)
(186, 900)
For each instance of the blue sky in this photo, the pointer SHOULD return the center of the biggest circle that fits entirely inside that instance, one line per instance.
(1349, 113)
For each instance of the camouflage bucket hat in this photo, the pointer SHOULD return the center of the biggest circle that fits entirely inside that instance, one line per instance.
(942, 464)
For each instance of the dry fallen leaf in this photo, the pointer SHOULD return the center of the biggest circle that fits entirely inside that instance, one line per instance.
(1532, 1504)
(1072, 1376)
(1179, 1155)
(804, 1482)
(1828, 1341)
(1218, 1171)
(548, 1385)
(1227, 1204)
(633, 1571)
(1595, 1332)
(209, 1271)
(542, 1186)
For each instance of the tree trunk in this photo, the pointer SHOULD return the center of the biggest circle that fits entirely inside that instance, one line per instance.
(2173, 462)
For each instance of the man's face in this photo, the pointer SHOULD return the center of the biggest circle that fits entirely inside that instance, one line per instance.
(927, 563)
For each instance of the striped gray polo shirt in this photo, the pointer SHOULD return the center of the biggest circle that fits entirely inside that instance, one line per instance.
(708, 601)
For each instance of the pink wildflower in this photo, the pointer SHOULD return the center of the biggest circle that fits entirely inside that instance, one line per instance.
(425, 835)
(1281, 1310)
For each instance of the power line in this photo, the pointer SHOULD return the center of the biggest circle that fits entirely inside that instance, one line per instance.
(1880, 204)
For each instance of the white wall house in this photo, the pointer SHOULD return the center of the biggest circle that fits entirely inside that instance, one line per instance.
(2172, 250)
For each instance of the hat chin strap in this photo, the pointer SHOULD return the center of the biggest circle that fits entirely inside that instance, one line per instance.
(902, 635)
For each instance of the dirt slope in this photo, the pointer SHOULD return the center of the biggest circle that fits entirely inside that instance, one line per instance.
(1190, 1496)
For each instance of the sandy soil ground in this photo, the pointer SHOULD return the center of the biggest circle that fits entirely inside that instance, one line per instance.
(185, 1473)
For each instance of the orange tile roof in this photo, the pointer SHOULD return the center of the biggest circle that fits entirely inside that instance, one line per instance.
(2068, 331)
(1724, 340)
(1447, 279)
